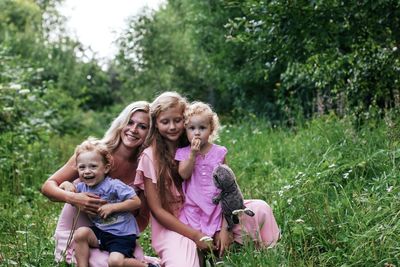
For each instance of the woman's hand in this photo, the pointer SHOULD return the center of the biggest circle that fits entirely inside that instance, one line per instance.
(87, 202)
(223, 239)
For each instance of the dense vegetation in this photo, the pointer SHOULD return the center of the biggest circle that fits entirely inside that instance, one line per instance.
(308, 92)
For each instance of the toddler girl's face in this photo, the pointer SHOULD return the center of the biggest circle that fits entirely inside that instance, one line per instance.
(199, 127)
(91, 167)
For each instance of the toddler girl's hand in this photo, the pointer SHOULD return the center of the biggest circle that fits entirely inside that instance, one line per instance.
(195, 144)
(105, 210)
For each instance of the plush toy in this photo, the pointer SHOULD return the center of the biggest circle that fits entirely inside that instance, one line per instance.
(231, 197)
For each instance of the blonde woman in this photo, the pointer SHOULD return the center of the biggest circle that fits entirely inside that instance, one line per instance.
(124, 139)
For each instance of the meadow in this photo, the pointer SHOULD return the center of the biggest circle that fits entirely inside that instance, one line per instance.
(333, 186)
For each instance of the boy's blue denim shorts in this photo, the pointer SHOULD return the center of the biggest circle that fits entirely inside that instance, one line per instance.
(113, 243)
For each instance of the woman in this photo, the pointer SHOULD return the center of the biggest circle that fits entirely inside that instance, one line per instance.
(124, 138)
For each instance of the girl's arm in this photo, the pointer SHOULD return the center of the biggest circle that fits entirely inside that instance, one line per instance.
(223, 238)
(186, 166)
(168, 220)
(126, 205)
(86, 201)
(143, 213)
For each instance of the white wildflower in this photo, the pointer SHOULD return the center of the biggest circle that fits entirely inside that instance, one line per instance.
(15, 86)
(24, 91)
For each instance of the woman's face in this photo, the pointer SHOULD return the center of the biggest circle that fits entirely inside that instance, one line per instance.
(170, 123)
(135, 132)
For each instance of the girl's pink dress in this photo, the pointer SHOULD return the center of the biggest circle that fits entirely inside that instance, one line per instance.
(176, 250)
(198, 211)
(97, 257)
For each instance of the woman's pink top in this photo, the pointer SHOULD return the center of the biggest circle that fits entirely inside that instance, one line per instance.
(198, 211)
(146, 169)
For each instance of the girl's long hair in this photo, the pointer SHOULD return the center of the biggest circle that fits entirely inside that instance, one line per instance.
(167, 167)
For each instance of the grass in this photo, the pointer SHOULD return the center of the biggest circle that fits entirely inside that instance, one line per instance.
(334, 189)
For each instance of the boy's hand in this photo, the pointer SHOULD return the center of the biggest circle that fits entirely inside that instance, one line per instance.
(68, 186)
(105, 210)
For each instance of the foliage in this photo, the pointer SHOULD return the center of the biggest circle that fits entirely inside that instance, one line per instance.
(282, 59)
(334, 190)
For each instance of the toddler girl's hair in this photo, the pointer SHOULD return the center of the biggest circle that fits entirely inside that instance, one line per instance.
(167, 167)
(93, 144)
(203, 109)
(112, 138)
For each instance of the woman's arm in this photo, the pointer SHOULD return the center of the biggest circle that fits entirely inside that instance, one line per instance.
(51, 189)
(86, 201)
(168, 220)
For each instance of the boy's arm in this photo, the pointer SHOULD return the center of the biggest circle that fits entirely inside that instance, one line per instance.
(126, 205)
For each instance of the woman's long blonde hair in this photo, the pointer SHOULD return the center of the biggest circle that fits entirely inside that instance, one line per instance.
(167, 168)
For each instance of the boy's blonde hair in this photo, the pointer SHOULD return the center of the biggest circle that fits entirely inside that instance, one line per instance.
(203, 109)
(94, 144)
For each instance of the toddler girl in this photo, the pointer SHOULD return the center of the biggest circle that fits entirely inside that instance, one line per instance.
(196, 164)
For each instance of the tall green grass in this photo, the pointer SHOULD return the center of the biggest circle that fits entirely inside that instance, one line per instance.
(334, 189)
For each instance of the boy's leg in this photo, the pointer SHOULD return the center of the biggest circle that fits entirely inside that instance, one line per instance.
(118, 259)
(84, 238)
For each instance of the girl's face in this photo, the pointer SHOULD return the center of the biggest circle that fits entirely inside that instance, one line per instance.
(170, 123)
(91, 167)
(134, 133)
(199, 127)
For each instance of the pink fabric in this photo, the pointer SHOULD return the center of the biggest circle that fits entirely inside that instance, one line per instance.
(176, 250)
(262, 228)
(97, 258)
(198, 210)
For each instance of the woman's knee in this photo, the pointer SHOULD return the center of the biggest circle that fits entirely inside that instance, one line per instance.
(259, 207)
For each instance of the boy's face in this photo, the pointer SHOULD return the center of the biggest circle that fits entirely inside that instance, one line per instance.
(91, 167)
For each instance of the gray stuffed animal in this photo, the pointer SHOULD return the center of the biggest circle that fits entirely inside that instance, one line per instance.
(231, 197)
